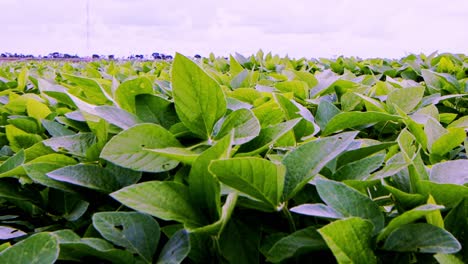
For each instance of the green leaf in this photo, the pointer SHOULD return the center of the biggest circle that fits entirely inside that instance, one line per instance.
(127, 91)
(116, 116)
(90, 87)
(447, 259)
(352, 119)
(319, 210)
(325, 112)
(93, 177)
(40, 248)
(74, 248)
(350, 240)
(349, 202)
(361, 152)
(453, 138)
(184, 155)
(452, 171)
(76, 145)
(7, 233)
(199, 100)
(20, 139)
(304, 162)
(165, 200)
(22, 79)
(258, 178)
(203, 186)
(55, 129)
(244, 123)
(299, 242)
(423, 238)
(137, 232)
(155, 109)
(407, 217)
(360, 169)
(37, 109)
(126, 149)
(267, 137)
(12, 166)
(406, 98)
(448, 195)
(176, 249)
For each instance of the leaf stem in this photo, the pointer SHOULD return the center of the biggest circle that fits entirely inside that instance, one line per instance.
(287, 214)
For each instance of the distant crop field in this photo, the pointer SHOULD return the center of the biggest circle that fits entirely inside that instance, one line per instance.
(259, 159)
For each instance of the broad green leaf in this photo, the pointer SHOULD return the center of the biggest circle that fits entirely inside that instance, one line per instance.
(55, 129)
(423, 238)
(7, 233)
(38, 174)
(74, 248)
(155, 109)
(129, 89)
(176, 249)
(165, 200)
(41, 248)
(116, 116)
(91, 88)
(37, 109)
(22, 79)
(360, 169)
(244, 123)
(94, 177)
(12, 166)
(350, 240)
(461, 122)
(267, 137)
(183, 155)
(258, 178)
(406, 98)
(20, 139)
(434, 130)
(299, 242)
(448, 195)
(407, 217)
(199, 100)
(126, 149)
(137, 232)
(74, 144)
(452, 171)
(306, 126)
(349, 202)
(361, 152)
(352, 119)
(325, 112)
(305, 162)
(203, 186)
(453, 138)
(319, 210)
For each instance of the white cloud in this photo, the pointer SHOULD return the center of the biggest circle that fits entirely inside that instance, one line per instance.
(299, 28)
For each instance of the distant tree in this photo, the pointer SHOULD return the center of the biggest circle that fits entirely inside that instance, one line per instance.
(3, 55)
(168, 57)
(197, 56)
(111, 57)
(95, 56)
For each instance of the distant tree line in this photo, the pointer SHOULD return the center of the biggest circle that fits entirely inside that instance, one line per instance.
(58, 55)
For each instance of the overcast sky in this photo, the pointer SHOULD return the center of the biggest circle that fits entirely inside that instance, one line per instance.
(298, 28)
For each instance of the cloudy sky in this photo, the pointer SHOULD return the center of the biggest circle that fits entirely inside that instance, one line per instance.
(298, 28)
